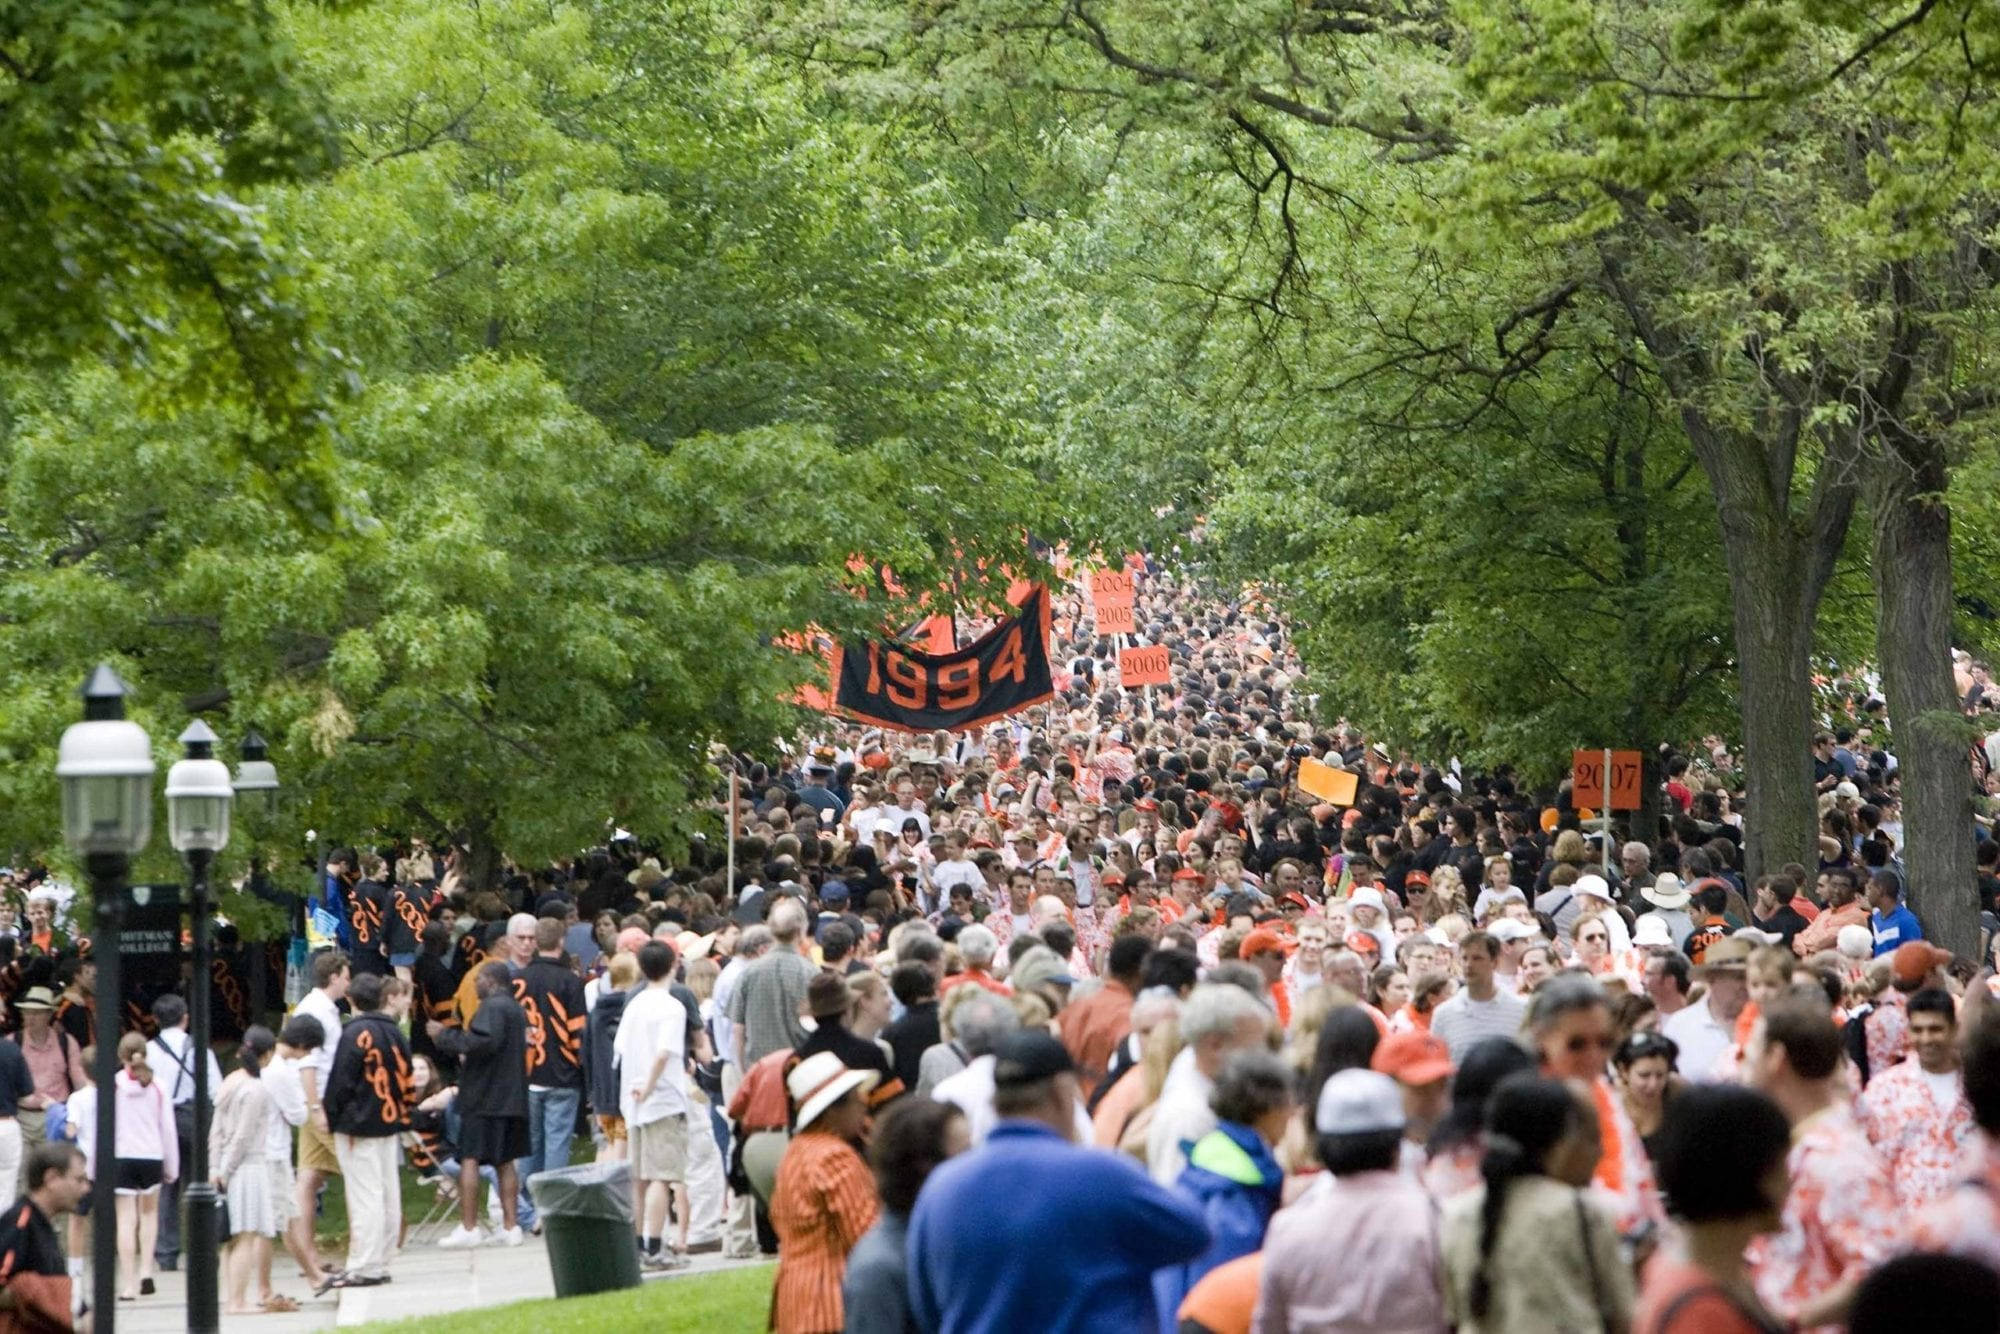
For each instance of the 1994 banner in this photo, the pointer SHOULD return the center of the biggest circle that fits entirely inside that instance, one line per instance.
(1005, 671)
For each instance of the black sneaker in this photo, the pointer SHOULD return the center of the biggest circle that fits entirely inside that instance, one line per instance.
(146, 1287)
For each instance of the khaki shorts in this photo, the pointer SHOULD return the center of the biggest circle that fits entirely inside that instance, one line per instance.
(660, 1149)
(316, 1151)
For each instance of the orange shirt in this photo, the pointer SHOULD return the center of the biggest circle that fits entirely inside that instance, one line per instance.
(1115, 1110)
(1092, 1029)
(822, 1202)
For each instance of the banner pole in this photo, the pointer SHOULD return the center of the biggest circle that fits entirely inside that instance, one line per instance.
(731, 872)
(1607, 815)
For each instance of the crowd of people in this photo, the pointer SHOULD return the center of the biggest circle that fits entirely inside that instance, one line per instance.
(1093, 1018)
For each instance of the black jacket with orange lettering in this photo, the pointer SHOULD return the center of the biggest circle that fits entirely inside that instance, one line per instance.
(410, 910)
(367, 921)
(369, 1089)
(552, 997)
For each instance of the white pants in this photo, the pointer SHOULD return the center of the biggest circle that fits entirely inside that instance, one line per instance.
(10, 1158)
(705, 1177)
(374, 1201)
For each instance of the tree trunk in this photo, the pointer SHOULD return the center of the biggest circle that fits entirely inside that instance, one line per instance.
(482, 854)
(1773, 618)
(1913, 608)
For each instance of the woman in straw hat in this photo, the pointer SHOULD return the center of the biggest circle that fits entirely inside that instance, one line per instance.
(824, 1198)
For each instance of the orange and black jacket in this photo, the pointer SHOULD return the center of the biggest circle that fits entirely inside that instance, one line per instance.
(551, 996)
(367, 922)
(32, 1272)
(410, 910)
(369, 1090)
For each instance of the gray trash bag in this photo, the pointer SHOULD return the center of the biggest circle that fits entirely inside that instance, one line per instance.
(591, 1190)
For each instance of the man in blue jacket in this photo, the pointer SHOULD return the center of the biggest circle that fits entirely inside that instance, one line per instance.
(1031, 1232)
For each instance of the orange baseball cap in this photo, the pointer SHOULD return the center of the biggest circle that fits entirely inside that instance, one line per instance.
(1263, 940)
(1413, 1058)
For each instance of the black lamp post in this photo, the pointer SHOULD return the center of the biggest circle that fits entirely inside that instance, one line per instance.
(199, 795)
(106, 767)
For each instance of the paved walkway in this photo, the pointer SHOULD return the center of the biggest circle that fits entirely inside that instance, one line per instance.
(427, 1282)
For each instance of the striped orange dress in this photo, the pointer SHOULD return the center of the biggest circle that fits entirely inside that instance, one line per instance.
(824, 1199)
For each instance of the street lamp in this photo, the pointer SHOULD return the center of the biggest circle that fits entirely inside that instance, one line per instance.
(256, 776)
(199, 795)
(106, 767)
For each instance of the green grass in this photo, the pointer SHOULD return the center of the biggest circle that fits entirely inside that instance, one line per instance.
(722, 1303)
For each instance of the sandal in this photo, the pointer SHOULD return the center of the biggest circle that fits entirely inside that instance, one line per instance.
(277, 1303)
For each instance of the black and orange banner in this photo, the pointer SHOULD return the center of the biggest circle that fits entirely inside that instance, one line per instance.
(1004, 671)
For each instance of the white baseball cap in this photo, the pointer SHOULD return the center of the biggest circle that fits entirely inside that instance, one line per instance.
(1358, 1102)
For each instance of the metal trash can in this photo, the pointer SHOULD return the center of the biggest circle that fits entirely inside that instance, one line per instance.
(586, 1215)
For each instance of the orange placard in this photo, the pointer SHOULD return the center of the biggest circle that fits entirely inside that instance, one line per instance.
(1112, 586)
(1142, 666)
(1587, 778)
(1117, 619)
(1322, 780)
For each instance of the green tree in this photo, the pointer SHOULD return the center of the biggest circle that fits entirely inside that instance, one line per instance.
(651, 351)
(1787, 203)
(132, 136)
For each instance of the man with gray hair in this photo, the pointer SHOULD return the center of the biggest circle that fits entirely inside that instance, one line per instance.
(764, 1010)
(971, 1090)
(752, 945)
(977, 946)
(1216, 1020)
(972, 1025)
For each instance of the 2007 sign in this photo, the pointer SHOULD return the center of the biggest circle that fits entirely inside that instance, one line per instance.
(1587, 778)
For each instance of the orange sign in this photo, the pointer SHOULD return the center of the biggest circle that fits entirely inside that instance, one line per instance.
(1116, 619)
(1587, 778)
(1112, 586)
(1322, 780)
(1142, 666)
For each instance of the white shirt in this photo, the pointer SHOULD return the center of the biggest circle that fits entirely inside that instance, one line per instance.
(720, 1026)
(971, 1091)
(951, 873)
(653, 1022)
(1944, 1088)
(1182, 1114)
(1462, 1022)
(288, 1095)
(1702, 1039)
(891, 818)
(83, 1124)
(177, 1044)
(321, 1007)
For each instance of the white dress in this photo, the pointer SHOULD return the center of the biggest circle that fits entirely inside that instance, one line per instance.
(240, 1153)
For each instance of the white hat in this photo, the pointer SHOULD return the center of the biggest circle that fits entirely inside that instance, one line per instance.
(1595, 887)
(1756, 937)
(1666, 891)
(692, 945)
(1369, 895)
(820, 1081)
(1855, 941)
(1358, 1102)
(1651, 931)
(1506, 929)
(1846, 791)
